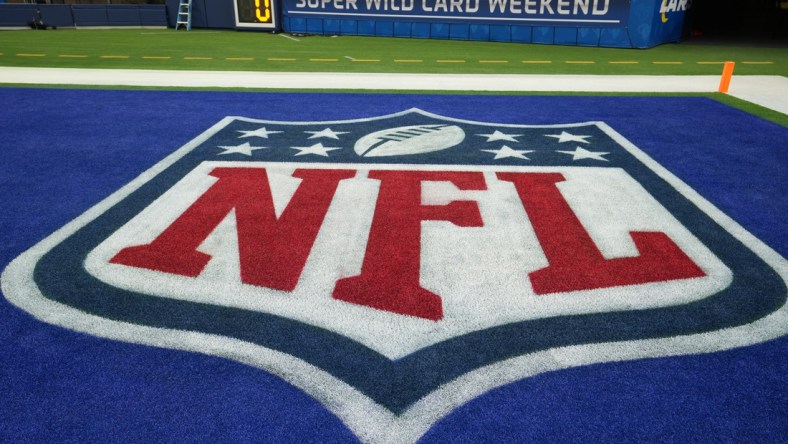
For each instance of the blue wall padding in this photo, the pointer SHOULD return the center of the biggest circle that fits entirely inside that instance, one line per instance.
(314, 26)
(153, 15)
(172, 12)
(332, 26)
(402, 29)
(543, 35)
(565, 36)
(17, 15)
(219, 15)
(57, 15)
(522, 34)
(123, 15)
(646, 26)
(459, 31)
(439, 30)
(366, 27)
(90, 15)
(615, 38)
(384, 29)
(350, 27)
(480, 32)
(297, 24)
(420, 30)
(499, 33)
(61, 15)
(199, 14)
(588, 36)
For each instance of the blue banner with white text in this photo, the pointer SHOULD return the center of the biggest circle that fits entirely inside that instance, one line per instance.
(566, 13)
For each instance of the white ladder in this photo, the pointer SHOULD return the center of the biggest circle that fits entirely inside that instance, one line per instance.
(184, 15)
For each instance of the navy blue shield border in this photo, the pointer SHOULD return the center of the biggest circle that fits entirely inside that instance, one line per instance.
(754, 304)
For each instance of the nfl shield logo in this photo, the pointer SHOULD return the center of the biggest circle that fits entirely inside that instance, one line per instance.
(396, 267)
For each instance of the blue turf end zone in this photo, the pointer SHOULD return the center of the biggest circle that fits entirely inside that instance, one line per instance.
(65, 150)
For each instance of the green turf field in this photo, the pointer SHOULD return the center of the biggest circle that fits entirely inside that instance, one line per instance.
(254, 51)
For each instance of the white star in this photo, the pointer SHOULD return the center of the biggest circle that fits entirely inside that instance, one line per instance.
(317, 149)
(261, 132)
(566, 137)
(505, 152)
(580, 153)
(328, 132)
(497, 135)
(244, 148)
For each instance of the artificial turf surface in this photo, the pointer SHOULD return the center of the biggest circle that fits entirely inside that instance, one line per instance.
(68, 149)
(257, 51)
(731, 395)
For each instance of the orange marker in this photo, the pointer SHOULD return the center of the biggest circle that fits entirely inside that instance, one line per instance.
(727, 73)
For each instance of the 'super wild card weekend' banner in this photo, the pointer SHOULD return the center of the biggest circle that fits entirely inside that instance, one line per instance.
(524, 12)
(391, 268)
(614, 23)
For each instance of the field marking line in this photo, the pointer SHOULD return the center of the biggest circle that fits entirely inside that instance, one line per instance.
(198, 58)
(24, 54)
(770, 91)
(289, 37)
(114, 57)
(73, 56)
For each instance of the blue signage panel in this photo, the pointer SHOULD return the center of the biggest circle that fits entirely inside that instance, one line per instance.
(568, 13)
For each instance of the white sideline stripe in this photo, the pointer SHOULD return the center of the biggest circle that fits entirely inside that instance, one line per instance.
(768, 91)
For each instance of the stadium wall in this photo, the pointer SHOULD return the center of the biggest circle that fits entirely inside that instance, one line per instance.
(69, 16)
(608, 23)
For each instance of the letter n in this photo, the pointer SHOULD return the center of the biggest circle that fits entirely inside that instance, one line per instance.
(273, 252)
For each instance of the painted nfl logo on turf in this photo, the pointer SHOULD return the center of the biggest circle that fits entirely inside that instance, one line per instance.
(398, 266)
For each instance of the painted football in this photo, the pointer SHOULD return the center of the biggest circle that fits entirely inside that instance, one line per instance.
(409, 140)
